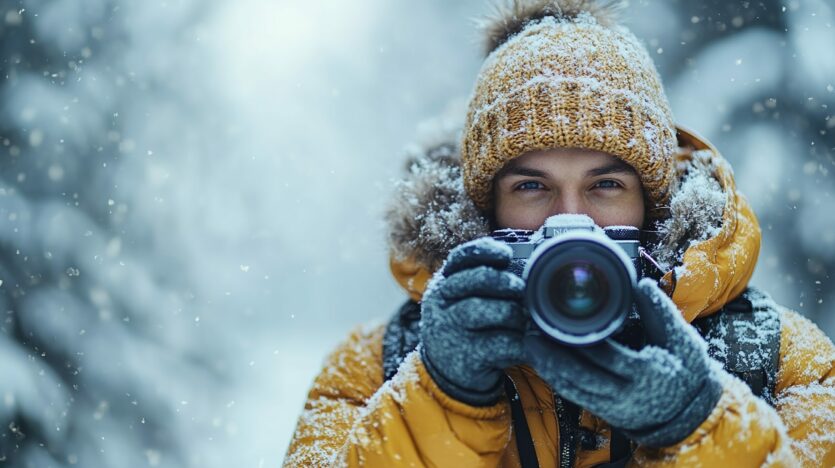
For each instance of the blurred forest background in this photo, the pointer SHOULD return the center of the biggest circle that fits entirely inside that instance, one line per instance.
(191, 196)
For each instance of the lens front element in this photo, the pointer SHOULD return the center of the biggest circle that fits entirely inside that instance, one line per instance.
(578, 289)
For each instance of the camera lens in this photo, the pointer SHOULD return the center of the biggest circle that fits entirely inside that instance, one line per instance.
(578, 290)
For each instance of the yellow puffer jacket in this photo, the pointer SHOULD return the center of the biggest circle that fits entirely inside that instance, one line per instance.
(353, 418)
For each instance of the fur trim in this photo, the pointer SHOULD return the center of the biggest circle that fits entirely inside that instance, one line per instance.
(431, 212)
(510, 17)
(696, 209)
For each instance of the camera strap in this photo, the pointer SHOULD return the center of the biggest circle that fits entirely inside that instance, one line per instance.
(524, 441)
(620, 450)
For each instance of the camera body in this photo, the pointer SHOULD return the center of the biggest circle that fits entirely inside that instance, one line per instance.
(579, 278)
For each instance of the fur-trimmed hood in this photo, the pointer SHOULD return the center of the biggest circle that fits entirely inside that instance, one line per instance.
(708, 243)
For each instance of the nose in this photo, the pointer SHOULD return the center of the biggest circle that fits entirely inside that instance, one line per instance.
(570, 203)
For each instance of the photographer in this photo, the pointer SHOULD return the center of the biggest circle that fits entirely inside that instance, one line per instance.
(568, 115)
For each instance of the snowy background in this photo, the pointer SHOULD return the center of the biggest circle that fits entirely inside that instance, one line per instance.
(191, 194)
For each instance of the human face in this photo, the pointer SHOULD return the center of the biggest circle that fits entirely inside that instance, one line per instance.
(540, 184)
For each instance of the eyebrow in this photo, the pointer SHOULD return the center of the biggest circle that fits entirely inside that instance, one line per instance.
(513, 169)
(614, 167)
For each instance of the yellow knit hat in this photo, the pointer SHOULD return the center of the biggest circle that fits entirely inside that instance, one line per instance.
(568, 77)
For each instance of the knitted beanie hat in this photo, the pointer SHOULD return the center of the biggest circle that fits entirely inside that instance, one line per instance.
(563, 74)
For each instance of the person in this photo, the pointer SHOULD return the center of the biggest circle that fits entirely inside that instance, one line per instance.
(568, 115)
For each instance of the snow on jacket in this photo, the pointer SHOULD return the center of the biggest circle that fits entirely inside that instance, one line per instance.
(353, 417)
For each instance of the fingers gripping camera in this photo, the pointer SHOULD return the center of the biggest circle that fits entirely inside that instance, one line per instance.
(579, 278)
(475, 317)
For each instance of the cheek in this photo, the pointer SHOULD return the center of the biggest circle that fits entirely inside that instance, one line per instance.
(517, 214)
(626, 211)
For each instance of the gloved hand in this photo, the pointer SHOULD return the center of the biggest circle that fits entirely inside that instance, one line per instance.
(473, 322)
(658, 395)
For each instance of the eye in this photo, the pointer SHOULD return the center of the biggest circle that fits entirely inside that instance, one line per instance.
(607, 184)
(529, 185)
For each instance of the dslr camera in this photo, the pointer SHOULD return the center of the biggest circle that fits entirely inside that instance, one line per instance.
(579, 278)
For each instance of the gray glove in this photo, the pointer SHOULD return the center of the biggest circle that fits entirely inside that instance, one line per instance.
(473, 322)
(658, 395)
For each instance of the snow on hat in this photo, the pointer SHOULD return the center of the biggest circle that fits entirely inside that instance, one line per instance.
(564, 74)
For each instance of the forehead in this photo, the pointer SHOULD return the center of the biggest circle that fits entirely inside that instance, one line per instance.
(566, 160)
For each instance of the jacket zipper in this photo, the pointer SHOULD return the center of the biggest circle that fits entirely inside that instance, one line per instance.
(568, 419)
(566, 434)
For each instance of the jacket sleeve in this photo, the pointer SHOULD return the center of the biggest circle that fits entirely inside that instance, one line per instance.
(352, 418)
(742, 431)
(745, 431)
(806, 390)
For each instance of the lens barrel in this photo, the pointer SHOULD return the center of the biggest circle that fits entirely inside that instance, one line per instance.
(579, 287)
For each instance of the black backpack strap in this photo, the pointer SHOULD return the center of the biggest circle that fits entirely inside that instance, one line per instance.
(401, 338)
(745, 337)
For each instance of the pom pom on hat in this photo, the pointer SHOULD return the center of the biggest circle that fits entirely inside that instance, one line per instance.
(511, 16)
